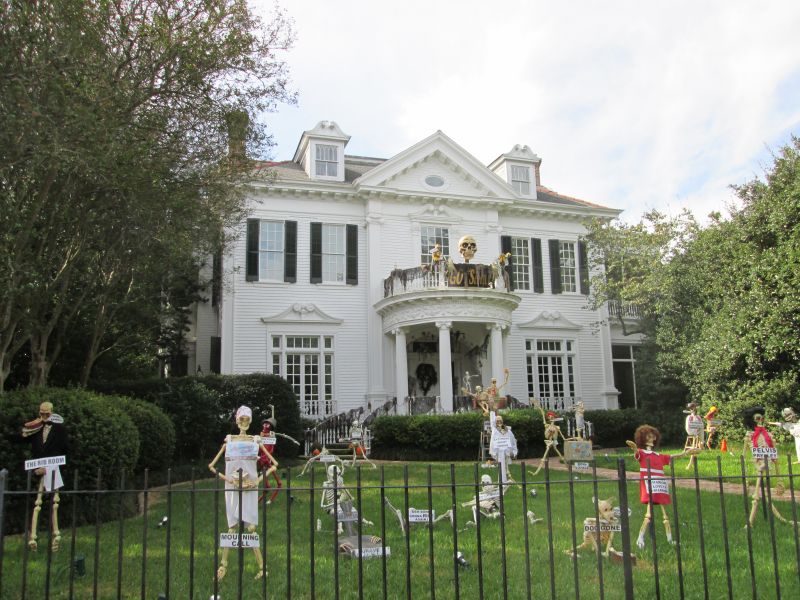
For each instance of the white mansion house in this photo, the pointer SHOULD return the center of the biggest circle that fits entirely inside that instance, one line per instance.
(349, 280)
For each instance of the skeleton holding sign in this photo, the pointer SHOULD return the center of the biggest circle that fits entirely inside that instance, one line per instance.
(502, 445)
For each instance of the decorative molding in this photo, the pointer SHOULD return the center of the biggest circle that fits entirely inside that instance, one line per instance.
(436, 213)
(550, 319)
(444, 325)
(436, 309)
(302, 313)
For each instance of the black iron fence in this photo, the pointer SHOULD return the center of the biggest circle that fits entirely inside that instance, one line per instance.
(420, 531)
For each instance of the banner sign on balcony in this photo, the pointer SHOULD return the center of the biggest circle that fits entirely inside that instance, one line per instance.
(470, 275)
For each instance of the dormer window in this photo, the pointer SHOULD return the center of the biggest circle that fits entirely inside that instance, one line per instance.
(327, 162)
(521, 180)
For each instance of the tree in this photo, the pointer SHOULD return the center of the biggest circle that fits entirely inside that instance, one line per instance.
(116, 163)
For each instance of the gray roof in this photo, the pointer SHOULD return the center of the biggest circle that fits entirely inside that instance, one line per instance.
(356, 166)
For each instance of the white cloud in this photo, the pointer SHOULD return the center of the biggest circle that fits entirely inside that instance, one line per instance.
(630, 104)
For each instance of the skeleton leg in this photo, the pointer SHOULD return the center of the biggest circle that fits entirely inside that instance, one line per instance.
(37, 508)
(447, 515)
(643, 529)
(665, 520)
(397, 513)
(257, 552)
(56, 532)
(541, 462)
(754, 506)
(223, 564)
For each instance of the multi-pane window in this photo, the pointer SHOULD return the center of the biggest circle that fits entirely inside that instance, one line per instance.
(430, 236)
(333, 253)
(327, 162)
(551, 371)
(521, 263)
(569, 267)
(271, 247)
(306, 362)
(521, 180)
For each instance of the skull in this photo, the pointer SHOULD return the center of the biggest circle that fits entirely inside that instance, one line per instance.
(789, 415)
(486, 480)
(467, 246)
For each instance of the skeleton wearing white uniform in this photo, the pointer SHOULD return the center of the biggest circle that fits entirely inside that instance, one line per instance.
(502, 445)
(791, 425)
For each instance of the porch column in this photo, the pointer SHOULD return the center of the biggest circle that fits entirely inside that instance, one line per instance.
(496, 341)
(401, 368)
(445, 366)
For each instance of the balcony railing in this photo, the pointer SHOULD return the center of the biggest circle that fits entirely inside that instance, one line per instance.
(624, 310)
(425, 277)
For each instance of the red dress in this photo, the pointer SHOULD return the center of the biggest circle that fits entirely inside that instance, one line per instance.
(656, 476)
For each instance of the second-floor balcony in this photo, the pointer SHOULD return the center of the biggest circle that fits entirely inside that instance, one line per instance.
(459, 276)
(624, 310)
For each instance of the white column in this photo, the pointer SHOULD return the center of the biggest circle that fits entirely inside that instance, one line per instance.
(496, 342)
(376, 392)
(401, 369)
(445, 366)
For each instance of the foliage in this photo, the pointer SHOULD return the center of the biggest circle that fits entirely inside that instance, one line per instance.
(119, 163)
(202, 408)
(156, 433)
(102, 439)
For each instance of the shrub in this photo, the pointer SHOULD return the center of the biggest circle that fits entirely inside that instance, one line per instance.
(102, 436)
(457, 437)
(156, 432)
(258, 390)
(773, 395)
(202, 408)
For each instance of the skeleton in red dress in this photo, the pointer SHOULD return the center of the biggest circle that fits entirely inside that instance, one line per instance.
(653, 486)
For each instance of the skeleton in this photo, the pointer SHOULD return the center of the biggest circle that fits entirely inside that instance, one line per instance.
(580, 421)
(551, 433)
(711, 425)
(323, 456)
(694, 432)
(336, 496)
(268, 431)
(467, 247)
(791, 425)
(241, 470)
(356, 439)
(404, 525)
(502, 445)
(757, 439)
(488, 502)
(48, 438)
(467, 389)
(593, 535)
(653, 486)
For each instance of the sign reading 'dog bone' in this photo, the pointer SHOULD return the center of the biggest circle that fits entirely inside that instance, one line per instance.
(50, 461)
(231, 540)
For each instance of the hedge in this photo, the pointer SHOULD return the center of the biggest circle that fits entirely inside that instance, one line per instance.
(156, 433)
(457, 437)
(202, 409)
(102, 436)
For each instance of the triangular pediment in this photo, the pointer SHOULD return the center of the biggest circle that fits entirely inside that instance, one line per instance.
(549, 319)
(415, 171)
(302, 313)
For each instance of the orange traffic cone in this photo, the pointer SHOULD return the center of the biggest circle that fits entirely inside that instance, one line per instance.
(724, 446)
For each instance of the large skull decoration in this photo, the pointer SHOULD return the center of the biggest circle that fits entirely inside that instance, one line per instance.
(467, 246)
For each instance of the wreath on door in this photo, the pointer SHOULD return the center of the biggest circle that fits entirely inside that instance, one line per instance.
(426, 377)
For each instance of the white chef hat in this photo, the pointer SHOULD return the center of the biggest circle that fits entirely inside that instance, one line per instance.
(244, 411)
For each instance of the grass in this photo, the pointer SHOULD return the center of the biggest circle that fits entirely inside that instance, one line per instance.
(703, 541)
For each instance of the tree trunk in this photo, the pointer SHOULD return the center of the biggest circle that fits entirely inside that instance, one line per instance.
(40, 364)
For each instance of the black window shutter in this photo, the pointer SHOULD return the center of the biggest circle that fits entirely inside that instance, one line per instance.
(316, 253)
(583, 267)
(351, 276)
(555, 266)
(505, 247)
(215, 362)
(253, 230)
(538, 271)
(290, 252)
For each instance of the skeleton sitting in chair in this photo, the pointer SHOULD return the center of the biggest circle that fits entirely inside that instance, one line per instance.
(337, 497)
(488, 502)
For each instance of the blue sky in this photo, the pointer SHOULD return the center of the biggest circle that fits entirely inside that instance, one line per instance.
(633, 105)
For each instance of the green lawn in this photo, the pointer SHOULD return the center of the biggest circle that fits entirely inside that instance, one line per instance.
(281, 556)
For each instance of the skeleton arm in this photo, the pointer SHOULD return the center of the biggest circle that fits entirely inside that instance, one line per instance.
(213, 469)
